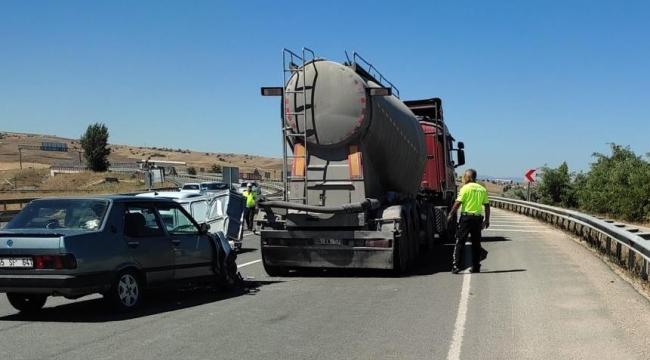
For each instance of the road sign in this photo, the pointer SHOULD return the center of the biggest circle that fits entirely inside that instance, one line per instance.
(530, 175)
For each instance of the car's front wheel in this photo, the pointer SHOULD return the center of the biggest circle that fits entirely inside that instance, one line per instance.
(126, 292)
(27, 303)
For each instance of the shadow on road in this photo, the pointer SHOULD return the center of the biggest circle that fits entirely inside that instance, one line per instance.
(156, 302)
(246, 250)
(494, 239)
(436, 261)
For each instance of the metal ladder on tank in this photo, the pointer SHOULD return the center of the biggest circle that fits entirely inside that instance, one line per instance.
(292, 67)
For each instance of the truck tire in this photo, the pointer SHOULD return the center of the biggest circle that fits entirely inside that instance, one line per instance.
(413, 239)
(401, 249)
(415, 236)
(275, 270)
(449, 235)
(27, 303)
(430, 229)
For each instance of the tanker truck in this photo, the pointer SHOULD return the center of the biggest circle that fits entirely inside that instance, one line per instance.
(368, 178)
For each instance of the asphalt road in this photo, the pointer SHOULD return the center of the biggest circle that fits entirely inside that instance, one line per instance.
(541, 295)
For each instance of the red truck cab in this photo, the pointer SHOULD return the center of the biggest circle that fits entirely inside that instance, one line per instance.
(438, 179)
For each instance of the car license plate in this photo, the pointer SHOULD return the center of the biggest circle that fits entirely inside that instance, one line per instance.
(327, 241)
(16, 263)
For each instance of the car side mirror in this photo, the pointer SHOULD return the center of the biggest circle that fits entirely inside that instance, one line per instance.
(204, 228)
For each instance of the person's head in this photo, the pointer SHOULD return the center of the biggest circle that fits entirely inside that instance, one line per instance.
(469, 176)
(249, 186)
(98, 209)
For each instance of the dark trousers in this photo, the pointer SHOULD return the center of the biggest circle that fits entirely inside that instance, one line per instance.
(249, 216)
(468, 225)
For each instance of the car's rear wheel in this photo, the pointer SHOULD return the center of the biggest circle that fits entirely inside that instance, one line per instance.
(126, 292)
(27, 303)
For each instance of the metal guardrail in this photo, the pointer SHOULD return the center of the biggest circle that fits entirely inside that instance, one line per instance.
(628, 249)
(7, 214)
(20, 202)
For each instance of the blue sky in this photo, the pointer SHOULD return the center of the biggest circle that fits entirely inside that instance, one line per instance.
(524, 83)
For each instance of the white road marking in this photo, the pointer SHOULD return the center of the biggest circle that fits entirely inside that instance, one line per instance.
(248, 234)
(459, 328)
(249, 263)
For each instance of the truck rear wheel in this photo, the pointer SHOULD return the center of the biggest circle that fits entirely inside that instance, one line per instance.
(414, 241)
(401, 249)
(275, 270)
(430, 229)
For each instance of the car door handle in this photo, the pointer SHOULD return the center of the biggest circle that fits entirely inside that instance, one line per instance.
(176, 241)
(133, 244)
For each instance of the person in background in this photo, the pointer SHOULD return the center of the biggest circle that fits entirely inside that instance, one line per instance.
(249, 210)
(471, 200)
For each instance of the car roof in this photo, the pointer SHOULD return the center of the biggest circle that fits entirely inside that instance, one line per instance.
(170, 194)
(113, 198)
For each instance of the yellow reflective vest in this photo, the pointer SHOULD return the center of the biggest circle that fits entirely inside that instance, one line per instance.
(251, 198)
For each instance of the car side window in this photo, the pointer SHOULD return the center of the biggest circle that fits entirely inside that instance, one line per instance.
(176, 222)
(199, 210)
(140, 221)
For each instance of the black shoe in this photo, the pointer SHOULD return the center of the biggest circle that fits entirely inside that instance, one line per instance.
(476, 269)
(455, 270)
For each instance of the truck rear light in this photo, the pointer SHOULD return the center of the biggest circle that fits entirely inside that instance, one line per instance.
(299, 160)
(354, 162)
(382, 243)
(57, 262)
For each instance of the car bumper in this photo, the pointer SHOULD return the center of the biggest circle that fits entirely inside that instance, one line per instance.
(296, 249)
(64, 285)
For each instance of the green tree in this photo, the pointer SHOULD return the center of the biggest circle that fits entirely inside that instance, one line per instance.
(191, 170)
(94, 143)
(556, 187)
(617, 184)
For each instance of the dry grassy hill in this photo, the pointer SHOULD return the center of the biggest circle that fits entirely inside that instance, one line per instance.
(9, 156)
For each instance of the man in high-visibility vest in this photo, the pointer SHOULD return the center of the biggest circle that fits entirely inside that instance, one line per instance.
(249, 211)
(472, 198)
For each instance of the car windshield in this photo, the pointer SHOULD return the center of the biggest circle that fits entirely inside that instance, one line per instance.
(191, 187)
(215, 186)
(70, 214)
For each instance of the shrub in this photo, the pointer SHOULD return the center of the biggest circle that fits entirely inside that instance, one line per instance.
(617, 185)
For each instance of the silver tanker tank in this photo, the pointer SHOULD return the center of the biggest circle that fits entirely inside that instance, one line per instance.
(340, 113)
